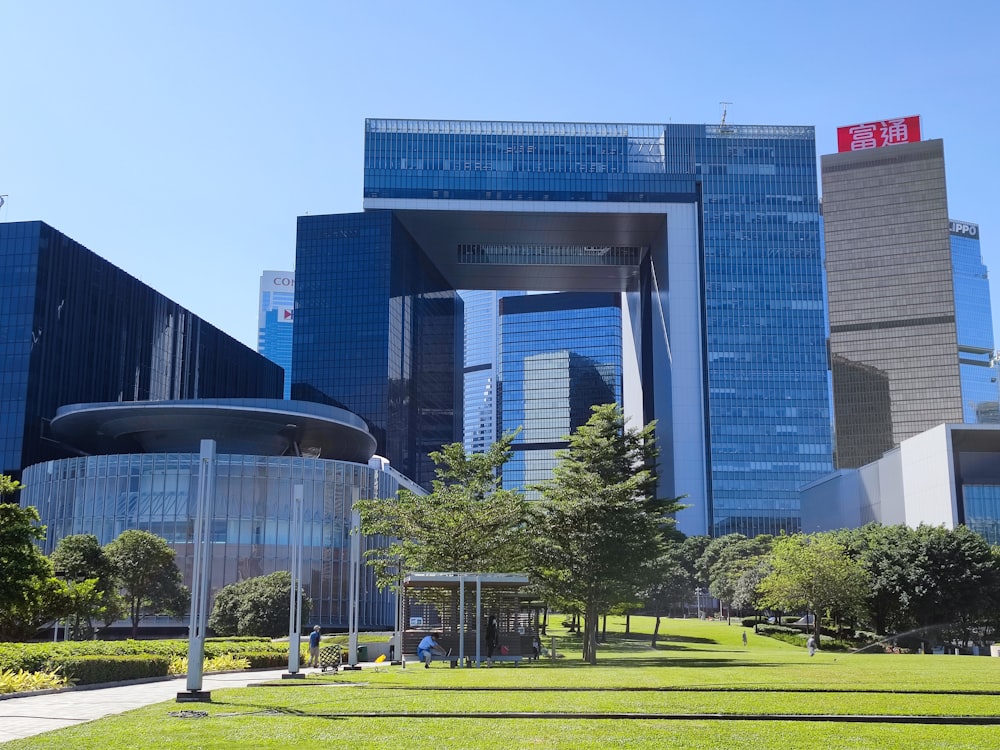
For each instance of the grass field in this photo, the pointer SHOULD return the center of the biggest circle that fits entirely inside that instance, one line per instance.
(700, 688)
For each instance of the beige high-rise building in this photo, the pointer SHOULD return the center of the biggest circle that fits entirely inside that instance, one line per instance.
(893, 341)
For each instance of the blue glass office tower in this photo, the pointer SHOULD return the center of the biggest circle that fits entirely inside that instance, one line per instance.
(974, 321)
(275, 320)
(480, 380)
(74, 328)
(712, 233)
(560, 354)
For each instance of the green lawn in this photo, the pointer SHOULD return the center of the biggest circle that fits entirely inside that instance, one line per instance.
(699, 670)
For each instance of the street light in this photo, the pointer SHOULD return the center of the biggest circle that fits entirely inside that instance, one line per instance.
(697, 593)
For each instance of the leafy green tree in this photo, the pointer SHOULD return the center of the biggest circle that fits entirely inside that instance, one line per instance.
(8, 486)
(146, 575)
(672, 584)
(727, 558)
(20, 558)
(256, 606)
(814, 573)
(891, 556)
(957, 572)
(598, 528)
(79, 559)
(29, 596)
(746, 590)
(466, 523)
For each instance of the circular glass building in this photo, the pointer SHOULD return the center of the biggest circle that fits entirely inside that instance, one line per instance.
(139, 467)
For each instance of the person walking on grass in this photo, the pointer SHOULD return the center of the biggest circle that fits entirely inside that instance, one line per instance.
(811, 645)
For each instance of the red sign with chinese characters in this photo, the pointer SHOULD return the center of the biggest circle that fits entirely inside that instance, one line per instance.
(878, 134)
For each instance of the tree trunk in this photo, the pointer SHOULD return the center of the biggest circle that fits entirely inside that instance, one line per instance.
(656, 631)
(604, 629)
(816, 627)
(628, 623)
(590, 623)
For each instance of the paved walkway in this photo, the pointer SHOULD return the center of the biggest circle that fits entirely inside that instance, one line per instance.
(29, 715)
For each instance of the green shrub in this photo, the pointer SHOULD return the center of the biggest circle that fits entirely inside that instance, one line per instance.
(23, 682)
(266, 659)
(92, 670)
(39, 657)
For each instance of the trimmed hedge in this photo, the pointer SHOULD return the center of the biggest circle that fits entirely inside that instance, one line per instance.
(37, 657)
(91, 670)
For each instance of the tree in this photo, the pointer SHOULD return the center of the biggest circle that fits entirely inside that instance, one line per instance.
(813, 573)
(256, 606)
(599, 526)
(727, 558)
(28, 595)
(672, 584)
(146, 575)
(8, 486)
(466, 523)
(82, 563)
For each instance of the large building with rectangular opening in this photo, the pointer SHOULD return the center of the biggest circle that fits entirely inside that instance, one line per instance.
(710, 234)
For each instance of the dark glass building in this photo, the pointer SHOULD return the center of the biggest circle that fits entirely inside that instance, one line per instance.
(560, 354)
(74, 328)
(892, 297)
(711, 232)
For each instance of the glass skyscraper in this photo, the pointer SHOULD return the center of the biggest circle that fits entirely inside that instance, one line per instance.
(710, 231)
(275, 319)
(479, 427)
(974, 322)
(560, 354)
(74, 328)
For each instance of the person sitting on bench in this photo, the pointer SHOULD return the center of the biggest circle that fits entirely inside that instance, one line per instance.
(428, 647)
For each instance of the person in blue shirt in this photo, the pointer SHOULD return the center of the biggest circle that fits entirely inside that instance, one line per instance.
(429, 646)
(314, 638)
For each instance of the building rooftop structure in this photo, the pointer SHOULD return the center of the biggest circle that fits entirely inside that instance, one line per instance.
(264, 427)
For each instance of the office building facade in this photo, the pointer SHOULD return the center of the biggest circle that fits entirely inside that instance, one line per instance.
(974, 325)
(910, 333)
(560, 354)
(710, 231)
(75, 328)
(275, 318)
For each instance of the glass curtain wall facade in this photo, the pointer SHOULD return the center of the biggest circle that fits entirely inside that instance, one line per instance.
(378, 332)
(560, 354)
(765, 328)
(275, 319)
(755, 345)
(250, 528)
(893, 345)
(974, 322)
(479, 428)
(74, 328)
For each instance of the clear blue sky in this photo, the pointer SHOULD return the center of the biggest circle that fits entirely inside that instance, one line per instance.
(180, 140)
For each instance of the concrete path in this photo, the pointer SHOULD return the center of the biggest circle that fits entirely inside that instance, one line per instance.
(29, 715)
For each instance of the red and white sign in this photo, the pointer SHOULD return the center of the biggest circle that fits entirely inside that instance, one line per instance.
(878, 134)
(286, 314)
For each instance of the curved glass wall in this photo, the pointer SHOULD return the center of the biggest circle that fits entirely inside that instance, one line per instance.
(251, 534)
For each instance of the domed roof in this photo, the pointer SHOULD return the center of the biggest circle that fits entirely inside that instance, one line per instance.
(262, 427)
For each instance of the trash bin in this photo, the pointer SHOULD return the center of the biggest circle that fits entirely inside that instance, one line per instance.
(362, 653)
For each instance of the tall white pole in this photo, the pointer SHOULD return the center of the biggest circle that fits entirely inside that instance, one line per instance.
(295, 595)
(202, 544)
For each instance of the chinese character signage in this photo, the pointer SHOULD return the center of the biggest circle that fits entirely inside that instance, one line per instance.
(878, 134)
